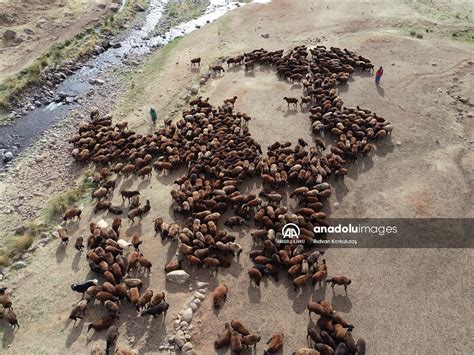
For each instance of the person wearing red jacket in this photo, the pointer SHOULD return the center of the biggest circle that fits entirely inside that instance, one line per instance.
(378, 75)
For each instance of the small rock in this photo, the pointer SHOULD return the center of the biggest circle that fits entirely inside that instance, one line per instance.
(202, 290)
(265, 35)
(201, 284)
(9, 35)
(398, 143)
(19, 265)
(199, 296)
(187, 346)
(194, 307)
(187, 315)
(177, 276)
(20, 229)
(194, 90)
(179, 339)
(197, 302)
(7, 156)
(139, 8)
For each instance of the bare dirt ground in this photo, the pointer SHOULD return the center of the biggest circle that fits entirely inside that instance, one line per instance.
(402, 301)
(40, 24)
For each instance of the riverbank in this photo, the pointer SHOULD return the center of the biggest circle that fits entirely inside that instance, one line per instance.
(392, 290)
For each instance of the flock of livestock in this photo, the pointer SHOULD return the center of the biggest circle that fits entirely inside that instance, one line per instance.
(219, 153)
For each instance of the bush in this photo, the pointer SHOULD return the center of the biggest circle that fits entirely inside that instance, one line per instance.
(23, 243)
(419, 35)
(412, 33)
(4, 259)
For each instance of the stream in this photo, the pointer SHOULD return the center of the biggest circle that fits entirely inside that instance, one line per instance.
(17, 136)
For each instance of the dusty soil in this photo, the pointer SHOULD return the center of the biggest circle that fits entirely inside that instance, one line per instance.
(401, 301)
(40, 24)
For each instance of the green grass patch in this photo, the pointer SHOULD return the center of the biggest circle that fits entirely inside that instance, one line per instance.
(73, 49)
(56, 206)
(184, 10)
(139, 81)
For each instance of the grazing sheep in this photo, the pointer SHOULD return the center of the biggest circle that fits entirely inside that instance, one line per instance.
(101, 324)
(62, 233)
(79, 311)
(144, 299)
(238, 326)
(230, 101)
(11, 317)
(249, 340)
(196, 61)
(128, 194)
(236, 342)
(79, 244)
(275, 344)
(156, 310)
(81, 288)
(255, 275)
(4, 299)
(72, 213)
(291, 100)
(111, 338)
(220, 295)
(223, 339)
(339, 280)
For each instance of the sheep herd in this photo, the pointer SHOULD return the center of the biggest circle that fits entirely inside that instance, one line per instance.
(220, 154)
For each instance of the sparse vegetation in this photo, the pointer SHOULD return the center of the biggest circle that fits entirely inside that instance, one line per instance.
(70, 49)
(56, 206)
(419, 35)
(184, 10)
(23, 242)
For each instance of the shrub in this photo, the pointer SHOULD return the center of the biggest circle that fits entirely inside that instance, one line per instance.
(23, 242)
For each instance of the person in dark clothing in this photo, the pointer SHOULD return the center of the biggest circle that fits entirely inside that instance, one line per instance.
(154, 115)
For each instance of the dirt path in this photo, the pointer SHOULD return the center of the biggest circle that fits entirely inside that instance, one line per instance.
(401, 301)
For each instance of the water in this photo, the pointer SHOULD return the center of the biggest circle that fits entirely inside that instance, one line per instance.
(25, 131)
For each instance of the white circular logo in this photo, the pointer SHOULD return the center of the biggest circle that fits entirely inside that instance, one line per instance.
(290, 231)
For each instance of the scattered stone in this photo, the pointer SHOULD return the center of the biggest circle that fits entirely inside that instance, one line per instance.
(20, 229)
(96, 81)
(7, 156)
(462, 99)
(177, 276)
(199, 296)
(9, 35)
(265, 35)
(194, 307)
(180, 339)
(187, 315)
(186, 347)
(194, 90)
(201, 284)
(398, 143)
(202, 290)
(19, 265)
(139, 8)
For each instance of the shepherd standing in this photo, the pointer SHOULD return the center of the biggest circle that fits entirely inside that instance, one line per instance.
(154, 115)
(378, 75)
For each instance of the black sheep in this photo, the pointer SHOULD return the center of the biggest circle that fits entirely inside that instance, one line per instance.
(156, 310)
(81, 288)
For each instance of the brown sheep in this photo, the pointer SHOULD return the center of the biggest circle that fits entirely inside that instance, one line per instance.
(100, 193)
(72, 213)
(111, 338)
(314, 307)
(238, 326)
(236, 342)
(62, 232)
(339, 280)
(144, 299)
(220, 295)
(306, 351)
(136, 212)
(230, 101)
(79, 244)
(255, 275)
(11, 318)
(249, 340)
(144, 262)
(275, 344)
(111, 306)
(79, 311)
(136, 242)
(156, 299)
(144, 172)
(134, 296)
(291, 100)
(101, 324)
(126, 194)
(223, 339)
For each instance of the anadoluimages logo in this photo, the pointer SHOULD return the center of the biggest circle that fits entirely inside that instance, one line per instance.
(290, 234)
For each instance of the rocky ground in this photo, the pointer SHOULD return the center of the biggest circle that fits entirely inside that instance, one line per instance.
(401, 301)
